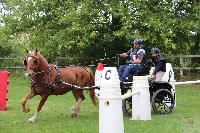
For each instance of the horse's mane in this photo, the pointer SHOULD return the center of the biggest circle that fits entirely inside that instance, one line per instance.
(41, 58)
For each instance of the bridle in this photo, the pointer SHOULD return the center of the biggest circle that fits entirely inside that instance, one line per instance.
(46, 81)
(34, 72)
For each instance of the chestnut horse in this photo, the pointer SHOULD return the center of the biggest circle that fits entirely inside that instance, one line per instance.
(48, 79)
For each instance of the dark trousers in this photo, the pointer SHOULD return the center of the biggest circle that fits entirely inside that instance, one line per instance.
(125, 70)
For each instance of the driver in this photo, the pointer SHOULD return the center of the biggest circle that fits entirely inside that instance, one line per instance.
(135, 54)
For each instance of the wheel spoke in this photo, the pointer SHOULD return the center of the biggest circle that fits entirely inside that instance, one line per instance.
(162, 101)
(127, 106)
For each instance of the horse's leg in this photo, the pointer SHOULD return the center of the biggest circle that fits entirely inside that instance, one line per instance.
(39, 107)
(75, 109)
(93, 98)
(91, 82)
(25, 99)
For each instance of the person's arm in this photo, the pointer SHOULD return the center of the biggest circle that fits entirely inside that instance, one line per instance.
(158, 66)
(124, 55)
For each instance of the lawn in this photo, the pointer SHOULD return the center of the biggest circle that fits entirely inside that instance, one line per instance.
(55, 118)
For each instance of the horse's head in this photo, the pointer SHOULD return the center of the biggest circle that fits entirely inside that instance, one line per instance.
(31, 62)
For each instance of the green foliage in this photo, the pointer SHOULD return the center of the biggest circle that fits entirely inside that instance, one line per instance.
(5, 48)
(91, 28)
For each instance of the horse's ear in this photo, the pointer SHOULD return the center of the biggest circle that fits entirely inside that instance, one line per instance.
(26, 51)
(36, 50)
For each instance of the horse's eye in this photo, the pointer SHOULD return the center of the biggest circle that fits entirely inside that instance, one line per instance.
(35, 62)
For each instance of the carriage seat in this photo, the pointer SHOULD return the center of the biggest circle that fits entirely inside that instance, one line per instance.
(159, 82)
(144, 68)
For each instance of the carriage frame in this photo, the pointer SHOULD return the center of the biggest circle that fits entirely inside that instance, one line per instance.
(161, 92)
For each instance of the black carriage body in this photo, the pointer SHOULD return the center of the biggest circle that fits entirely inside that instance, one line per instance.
(161, 97)
(157, 85)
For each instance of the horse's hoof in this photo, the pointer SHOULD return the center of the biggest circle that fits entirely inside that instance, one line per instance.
(26, 110)
(73, 115)
(31, 120)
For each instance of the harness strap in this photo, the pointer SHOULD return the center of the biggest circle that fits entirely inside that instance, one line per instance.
(48, 85)
(170, 74)
(57, 82)
(49, 70)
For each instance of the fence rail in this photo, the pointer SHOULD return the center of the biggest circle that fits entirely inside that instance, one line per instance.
(182, 66)
(12, 67)
(16, 63)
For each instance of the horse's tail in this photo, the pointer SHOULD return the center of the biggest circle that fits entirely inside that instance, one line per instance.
(91, 91)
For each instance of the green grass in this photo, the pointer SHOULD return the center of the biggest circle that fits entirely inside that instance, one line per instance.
(55, 118)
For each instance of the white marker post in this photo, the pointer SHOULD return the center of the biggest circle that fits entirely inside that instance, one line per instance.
(98, 77)
(141, 106)
(110, 103)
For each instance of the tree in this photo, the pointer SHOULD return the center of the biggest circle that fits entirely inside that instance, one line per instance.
(91, 28)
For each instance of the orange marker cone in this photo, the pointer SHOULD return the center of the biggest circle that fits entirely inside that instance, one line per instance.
(98, 74)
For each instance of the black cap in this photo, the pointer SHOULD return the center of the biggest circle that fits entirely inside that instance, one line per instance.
(138, 41)
(155, 50)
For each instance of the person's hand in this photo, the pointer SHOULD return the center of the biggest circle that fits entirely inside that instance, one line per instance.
(124, 55)
(117, 55)
(153, 77)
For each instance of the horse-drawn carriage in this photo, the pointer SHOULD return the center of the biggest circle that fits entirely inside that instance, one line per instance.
(48, 79)
(161, 92)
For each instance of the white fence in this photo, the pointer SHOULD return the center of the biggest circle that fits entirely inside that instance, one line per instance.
(182, 66)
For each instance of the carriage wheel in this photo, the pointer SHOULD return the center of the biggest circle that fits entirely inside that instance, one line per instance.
(163, 101)
(127, 106)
